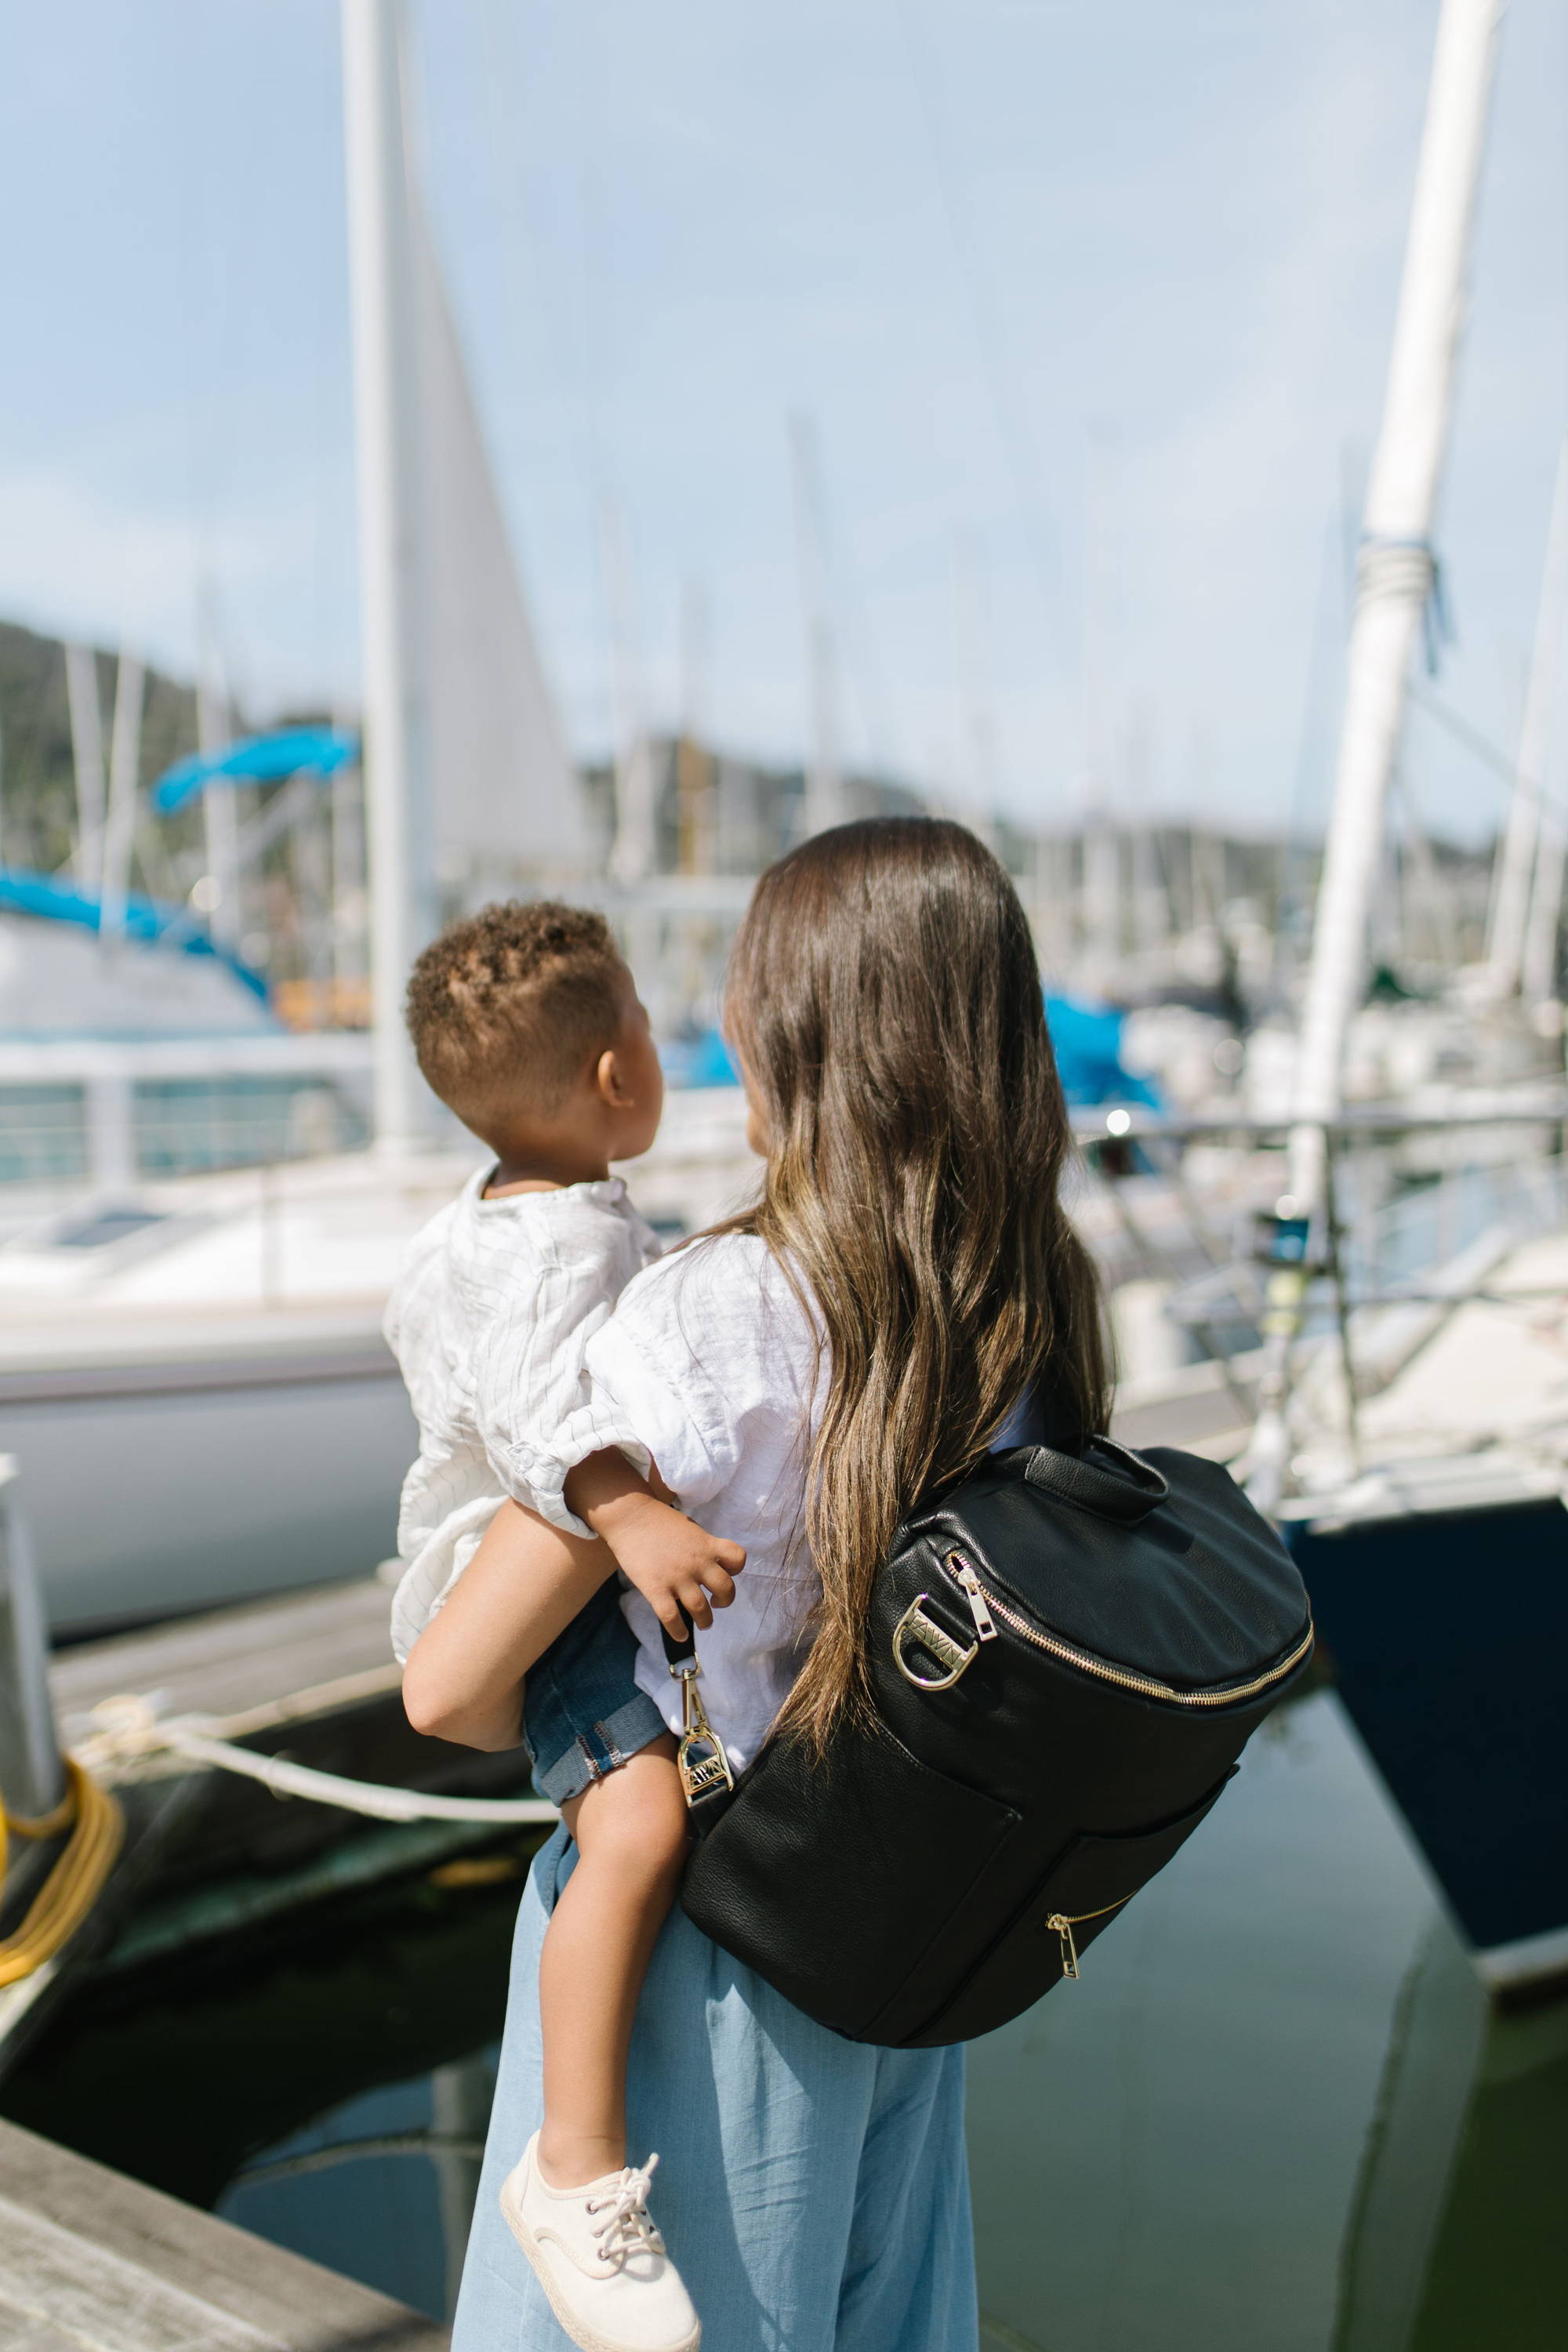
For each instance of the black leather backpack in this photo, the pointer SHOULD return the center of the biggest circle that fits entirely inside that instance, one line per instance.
(1068, 1654)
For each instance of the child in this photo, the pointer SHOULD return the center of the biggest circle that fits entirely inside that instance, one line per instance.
(526, 1023)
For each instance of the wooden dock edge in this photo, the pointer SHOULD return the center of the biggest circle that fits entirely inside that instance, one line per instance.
(93, 2262)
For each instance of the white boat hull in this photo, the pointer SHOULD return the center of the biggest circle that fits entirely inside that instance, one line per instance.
(155, 1488)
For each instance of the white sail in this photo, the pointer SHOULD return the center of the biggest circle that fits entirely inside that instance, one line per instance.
(508, 805)
(468, 788)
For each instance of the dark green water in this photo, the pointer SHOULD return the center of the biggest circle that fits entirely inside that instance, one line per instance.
(1274, 2116)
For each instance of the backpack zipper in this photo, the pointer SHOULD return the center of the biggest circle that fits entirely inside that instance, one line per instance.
(983, 1603)
(1062, 1923)
(973, 1592)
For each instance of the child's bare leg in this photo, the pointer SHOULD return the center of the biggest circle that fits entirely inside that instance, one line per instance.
(630, 1829)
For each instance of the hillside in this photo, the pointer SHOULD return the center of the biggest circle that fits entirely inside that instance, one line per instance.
(37, 789)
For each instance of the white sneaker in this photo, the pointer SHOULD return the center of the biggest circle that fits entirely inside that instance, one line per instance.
(600, 2259)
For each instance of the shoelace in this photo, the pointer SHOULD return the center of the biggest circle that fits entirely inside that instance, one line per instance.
(627, 2227)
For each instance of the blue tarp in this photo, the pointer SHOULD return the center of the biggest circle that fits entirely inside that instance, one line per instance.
(145, 920)
(701, 1061)
(1087, 1039)
(258, 759)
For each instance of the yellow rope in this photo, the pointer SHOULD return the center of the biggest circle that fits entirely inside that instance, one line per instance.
(73, 1886)
(45, 1825)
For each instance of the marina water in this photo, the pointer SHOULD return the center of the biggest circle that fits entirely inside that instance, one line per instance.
(1276, 2112)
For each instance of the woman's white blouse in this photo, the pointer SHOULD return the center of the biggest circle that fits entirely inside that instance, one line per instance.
(706, 1368)
(709, 1367)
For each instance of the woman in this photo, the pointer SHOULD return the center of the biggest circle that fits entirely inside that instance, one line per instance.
(905, 1295)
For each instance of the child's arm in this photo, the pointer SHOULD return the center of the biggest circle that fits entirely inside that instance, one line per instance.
(676, 1565)
(524, 1585)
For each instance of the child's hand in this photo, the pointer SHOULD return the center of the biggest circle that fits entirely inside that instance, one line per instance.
(674, 1564)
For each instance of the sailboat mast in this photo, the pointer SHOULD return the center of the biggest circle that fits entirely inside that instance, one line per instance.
(977, 723)
(1396, 572)
(86, 753)
(124, 770)
(1539, 976)
(633, 851)
(825, 798)
(1395, 576)
(220, 811)
(1519, 853)
(403, 908)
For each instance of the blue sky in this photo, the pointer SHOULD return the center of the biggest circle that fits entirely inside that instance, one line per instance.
(1045, 277)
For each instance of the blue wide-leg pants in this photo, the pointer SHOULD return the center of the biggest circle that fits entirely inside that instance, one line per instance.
(814, 2192)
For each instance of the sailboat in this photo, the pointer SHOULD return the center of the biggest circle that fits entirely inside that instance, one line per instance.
(211, 1346)
(1438, 1563)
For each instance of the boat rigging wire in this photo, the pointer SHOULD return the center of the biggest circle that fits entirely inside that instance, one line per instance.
(1461, 729)
(1017, 445)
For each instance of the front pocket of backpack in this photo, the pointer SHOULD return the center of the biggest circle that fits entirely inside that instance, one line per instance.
(1086, 1887)
(842, 1887)
(1099, 1874)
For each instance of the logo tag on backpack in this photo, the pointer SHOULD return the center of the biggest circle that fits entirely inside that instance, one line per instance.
(915, 1632)
(701, 1759)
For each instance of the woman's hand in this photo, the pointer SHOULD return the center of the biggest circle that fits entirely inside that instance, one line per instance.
(524, 1585)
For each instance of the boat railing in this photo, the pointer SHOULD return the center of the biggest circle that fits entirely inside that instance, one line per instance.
(1420, 1206)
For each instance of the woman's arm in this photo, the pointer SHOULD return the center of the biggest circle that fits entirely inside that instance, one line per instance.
(524, 1585)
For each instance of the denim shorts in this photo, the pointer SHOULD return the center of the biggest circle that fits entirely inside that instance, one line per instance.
(582, 1712)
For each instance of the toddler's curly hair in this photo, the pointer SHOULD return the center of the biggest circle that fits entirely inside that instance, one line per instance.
(510, 1007)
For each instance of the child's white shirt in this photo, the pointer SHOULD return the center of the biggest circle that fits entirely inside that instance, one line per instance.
(490, 1319)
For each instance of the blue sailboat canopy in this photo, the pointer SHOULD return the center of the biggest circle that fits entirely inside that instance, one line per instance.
(1086, 1039)
(146, 920)
(702, 1060)
(256, 759)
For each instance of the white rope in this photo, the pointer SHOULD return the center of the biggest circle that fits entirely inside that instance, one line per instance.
(129, 1730)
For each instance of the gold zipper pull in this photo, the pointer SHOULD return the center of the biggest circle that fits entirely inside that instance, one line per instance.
(1063, 1927)
(973, 1592)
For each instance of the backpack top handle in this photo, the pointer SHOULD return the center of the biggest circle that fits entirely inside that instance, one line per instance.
(1125, 1488)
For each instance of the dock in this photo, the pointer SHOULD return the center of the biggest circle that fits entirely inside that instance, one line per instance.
(255, 1664)
(308, 1675)
(91, 2261)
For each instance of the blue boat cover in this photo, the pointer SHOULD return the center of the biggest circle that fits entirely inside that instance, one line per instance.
(256, 759)
(145, 920)
(1087, 1039)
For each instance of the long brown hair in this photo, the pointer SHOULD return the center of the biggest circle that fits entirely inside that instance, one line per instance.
(885, 1001)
